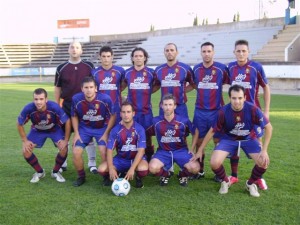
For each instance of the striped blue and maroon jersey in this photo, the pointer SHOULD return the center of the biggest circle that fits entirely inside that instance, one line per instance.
(109, 82)
(92, 114)
(250, 76)
(209, 85)
(173, 80)
(140, 86)
(170, 135)
(69, 77)
(239, 125)
(49, 120)
(127, 141)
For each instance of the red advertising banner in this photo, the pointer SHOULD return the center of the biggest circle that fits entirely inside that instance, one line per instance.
(73, 23)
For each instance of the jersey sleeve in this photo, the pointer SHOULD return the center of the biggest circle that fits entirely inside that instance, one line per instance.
(24, 115)
(112, 139)
(141, 143)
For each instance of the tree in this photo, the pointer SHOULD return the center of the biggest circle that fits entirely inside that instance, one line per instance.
(234, 18)
(195, 23)
(151, 28)
(218, 21)
(206, 21)
(238, 17)
(203, 22)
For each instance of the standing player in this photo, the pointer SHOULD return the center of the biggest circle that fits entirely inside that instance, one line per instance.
(109, 77)
(129, 140)
(237, 121)
(68, 78)
(141, 83)
(90, 112)
(250, 75)
(173, 77)
(47, 119)
(209, 78)
(171, 131)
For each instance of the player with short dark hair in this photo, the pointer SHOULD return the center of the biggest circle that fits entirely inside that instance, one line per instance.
(141, 83)
(68, 78)
(237, 121)
(109, 78)
(129, 139)
(47, 119)
(171, 131)
(250, 75)
(90, 112)
(209, 77)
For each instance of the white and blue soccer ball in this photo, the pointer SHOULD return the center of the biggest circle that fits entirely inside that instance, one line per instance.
(120, 187)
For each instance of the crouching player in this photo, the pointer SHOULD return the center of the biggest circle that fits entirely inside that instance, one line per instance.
(171, 131)
(129, 139)
(90, 111)
(236, 121)
(47, 119)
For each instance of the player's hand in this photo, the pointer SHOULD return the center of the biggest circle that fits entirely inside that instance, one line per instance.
(61, 144)
(264, 159)
(197, 156)
(129, 175)
(104, 138)
(113, 174)
(76, 138)
(27, 146)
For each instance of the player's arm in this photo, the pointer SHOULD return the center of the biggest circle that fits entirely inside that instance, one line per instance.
(194, 140)
(264, 152)
(267, 100)
(123, 85)
(57, 92)
(75, 125)
(111, 169)
(110, 125)
(26, 144)
(205, 141)
(136, 161)
(189, 88)
(63, 143)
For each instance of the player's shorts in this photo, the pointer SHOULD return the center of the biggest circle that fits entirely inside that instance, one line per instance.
(203, 120)
(180, 157)
(123, 165)
(230, 146)
(87, 135)
(144, 119)
(180, 110)
(39, 137)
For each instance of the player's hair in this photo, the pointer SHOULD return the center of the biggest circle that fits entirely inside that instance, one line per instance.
(241, 42)
(106, 48)
(208, 44)
(88, 79)
(171, 44)
(39, 91)
(168, 96)
(126, 103)
(236, 88)
(73, 42)
(144, 52)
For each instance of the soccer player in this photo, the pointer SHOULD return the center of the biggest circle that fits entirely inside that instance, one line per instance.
(176, 78)
(68, 78)
(129, 139)
(90, 111)
(141, 83)
(109, 78)
(237, 121)
(171, 131)
(209, 78)
(250, 75)
(47, 119)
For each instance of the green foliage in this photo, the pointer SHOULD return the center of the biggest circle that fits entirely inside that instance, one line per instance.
(50, 202)
(195, 22)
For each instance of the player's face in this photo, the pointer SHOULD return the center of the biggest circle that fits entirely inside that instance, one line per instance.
(138, 58)
(241, 53)
(207, 53)
(40, 101)
(75, 50)
(106, 59)
(170, 53)
(89, 90)
(237, 100)
(127, 114)
(168, 107)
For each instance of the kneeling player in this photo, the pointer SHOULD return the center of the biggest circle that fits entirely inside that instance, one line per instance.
(129, 139)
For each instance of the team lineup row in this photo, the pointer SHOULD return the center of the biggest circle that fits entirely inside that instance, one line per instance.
(94, 106)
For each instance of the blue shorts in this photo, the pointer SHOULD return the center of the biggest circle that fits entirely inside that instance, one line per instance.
(87, 135)
(144, 119)
(248, 146)
(39, 137)
(180, 110)
(180, 157)
(123, 165)
(203, 120)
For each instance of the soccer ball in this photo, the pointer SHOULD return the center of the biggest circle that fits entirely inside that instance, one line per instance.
(120, 187)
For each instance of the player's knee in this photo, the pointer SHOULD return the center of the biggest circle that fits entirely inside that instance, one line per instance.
(103, 168)
(154, 168)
